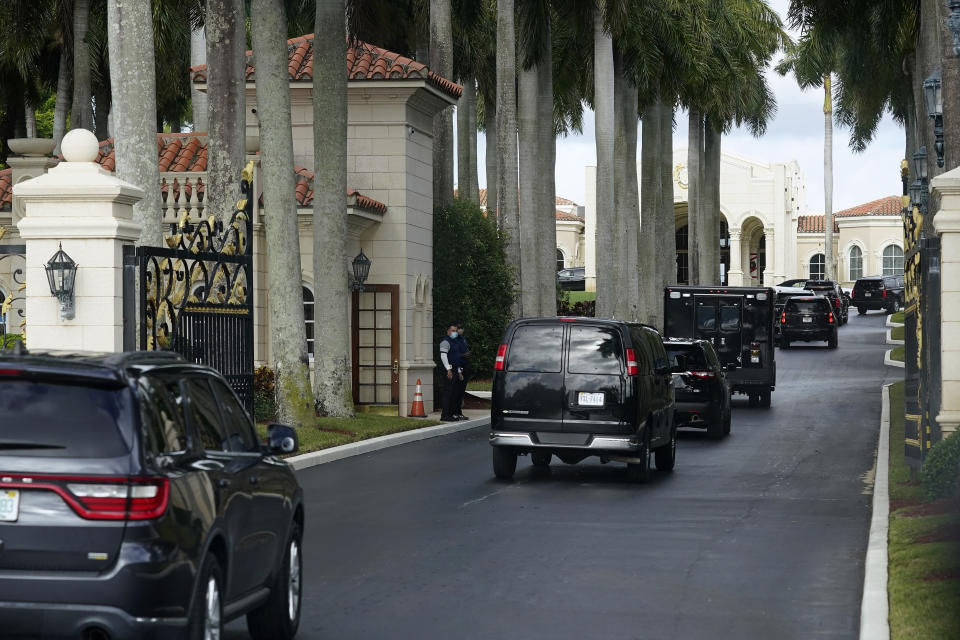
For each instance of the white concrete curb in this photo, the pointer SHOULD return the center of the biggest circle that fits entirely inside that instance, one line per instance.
(891, 323)
(874, 608)
(480, 394)
(887, 360)
(890, 339)
(314, 458)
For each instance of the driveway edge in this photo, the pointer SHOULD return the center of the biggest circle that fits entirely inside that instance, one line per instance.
(874, 607)
(890, 338)
(314, 458)
(890, 362)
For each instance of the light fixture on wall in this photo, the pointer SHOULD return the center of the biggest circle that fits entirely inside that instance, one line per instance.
(61, 276)
(361, 269)
(933, 96)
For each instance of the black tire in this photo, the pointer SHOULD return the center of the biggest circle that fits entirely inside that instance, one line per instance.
(279, 617)
(639, 472)
(541, 458)
(752, 399)
(714, 429)
(862, 311)
(764, 398)
(784, 343)
(727, 419)
(832, 342)
(666, 456)
(895, 307)
(207, 590)
(504, 462)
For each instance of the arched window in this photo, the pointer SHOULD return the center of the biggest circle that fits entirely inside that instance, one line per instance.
(560, 261)
(308, 318)
(856, 263)
(892, 260)
(818, 267)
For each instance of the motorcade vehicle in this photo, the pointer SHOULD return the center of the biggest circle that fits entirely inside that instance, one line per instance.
(832, 290)
(808, 319)
(572, 279)
(738, 322)
(580, 387)
(796, 282)
(137, 501)
(784, 294)
(700, 387)
(873, 293)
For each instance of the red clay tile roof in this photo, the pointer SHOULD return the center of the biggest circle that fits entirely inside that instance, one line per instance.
(813, 224)
(6, 189)
(305, 193)
(568, 217)
(888, 206)
(364, 62)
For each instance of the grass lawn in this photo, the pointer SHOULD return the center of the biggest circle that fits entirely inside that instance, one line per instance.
(331, 432)
(581, 296)
(924, 550)
(896, 333)
(897, 317)
(480, 385)
(897, 353)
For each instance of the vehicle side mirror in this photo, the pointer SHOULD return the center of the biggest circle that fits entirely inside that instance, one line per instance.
(282, 439)
(731, 366)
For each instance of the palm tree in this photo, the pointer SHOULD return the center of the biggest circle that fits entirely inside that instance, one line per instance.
(198, 99)
(81, 114)
(288, 331)
(507, 181)
(332, 382)
(130, 32)
(603, 98)
(441, 62)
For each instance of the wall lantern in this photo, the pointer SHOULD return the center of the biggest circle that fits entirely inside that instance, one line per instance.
(361, 269)
(61, 275)
(933, 96)
(920, 164)
(953, 23)
(915, 195)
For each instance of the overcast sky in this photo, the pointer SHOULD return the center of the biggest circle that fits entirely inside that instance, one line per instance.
(796, 133)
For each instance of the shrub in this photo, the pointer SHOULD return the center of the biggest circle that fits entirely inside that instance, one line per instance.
(7, 340)
(264, 394)
(940, 475)
(586, 308)
(472, 282)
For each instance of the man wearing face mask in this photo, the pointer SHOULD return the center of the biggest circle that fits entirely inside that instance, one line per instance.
(451, 376)
(462, 356)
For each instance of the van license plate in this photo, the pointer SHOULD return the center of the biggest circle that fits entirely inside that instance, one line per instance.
(9, 505)
(867, 295)
(590, 399)
(807, 319)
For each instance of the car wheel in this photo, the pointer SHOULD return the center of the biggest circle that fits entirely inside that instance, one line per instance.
(666, 456)
(714, 429)
(279, 617)
(896, 306)
(764, 398)
(727, 418)
(541, 458)
(784, 343)
(206, 618)
(832, 342)
(640, 471)
(752, 399)
(504, 462)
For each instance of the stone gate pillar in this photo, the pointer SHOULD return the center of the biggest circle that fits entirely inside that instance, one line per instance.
(947, 224)
(90, 212)
(735, 274)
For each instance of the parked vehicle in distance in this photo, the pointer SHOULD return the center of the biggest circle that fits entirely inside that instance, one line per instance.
(784, 294)
(573, 278)
(878, 292)
(738, 322)
(832, 290)
(807, 320)
(700, 386)
(796, 282)
(136, 501)
(579, 387)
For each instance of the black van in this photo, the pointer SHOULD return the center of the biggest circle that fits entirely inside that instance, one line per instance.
(579, 387)
(739, 323)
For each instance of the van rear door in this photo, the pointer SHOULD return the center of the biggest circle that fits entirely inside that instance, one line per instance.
(533, 379)
(595, 380)
(718, 318)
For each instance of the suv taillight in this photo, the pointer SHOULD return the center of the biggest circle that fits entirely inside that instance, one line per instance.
(501, 358)
(884, 293)
(783, 318)
(102, 498)
(632, 367)
(703, 375)
(830, 319)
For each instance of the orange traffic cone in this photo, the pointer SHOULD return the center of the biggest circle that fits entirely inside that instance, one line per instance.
(416, 409)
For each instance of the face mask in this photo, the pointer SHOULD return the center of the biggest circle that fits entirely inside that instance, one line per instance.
(453, 334)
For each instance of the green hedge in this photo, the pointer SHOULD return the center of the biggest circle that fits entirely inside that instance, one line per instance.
(472, 282)
(7, 340)
(940, 475)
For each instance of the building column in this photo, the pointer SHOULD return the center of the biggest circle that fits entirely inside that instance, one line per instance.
(735, 275)
(769, 271)
(947, 224)
(90, 213)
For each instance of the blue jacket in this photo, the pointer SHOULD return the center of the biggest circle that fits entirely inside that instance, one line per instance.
(458, 347)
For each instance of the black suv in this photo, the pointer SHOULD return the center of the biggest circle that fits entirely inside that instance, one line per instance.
(136, 501)
(700, 386)
(572, 279)
(878, 292)
(579, 387)
(832, 290)
(808, 319)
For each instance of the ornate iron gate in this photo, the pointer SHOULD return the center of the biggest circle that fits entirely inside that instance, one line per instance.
(196, 294)
(10, 323)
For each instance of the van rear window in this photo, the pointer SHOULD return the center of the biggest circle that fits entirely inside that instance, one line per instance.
(536, 348)
(595, 350)
(807, 306)
(61, 421)
(868, 284)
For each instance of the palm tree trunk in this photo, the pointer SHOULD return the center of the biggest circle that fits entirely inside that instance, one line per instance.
(546, 212)
(695, 222)
(828, 176)
(62, 105)
(332, 381)
(130, 36)
(530, 190)
(226, 100)
(625, 197)
(102, 114)
(492, 159)
(288, 338)
(604, 125)
(81, 115)
(710, 190)
(507, 180)
(473, 175)
(666, 221)
(198, 99)
(441, 62)
(467, 142)
(651, 279)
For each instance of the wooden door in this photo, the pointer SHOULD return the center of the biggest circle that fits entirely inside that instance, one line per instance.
(376, 344)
